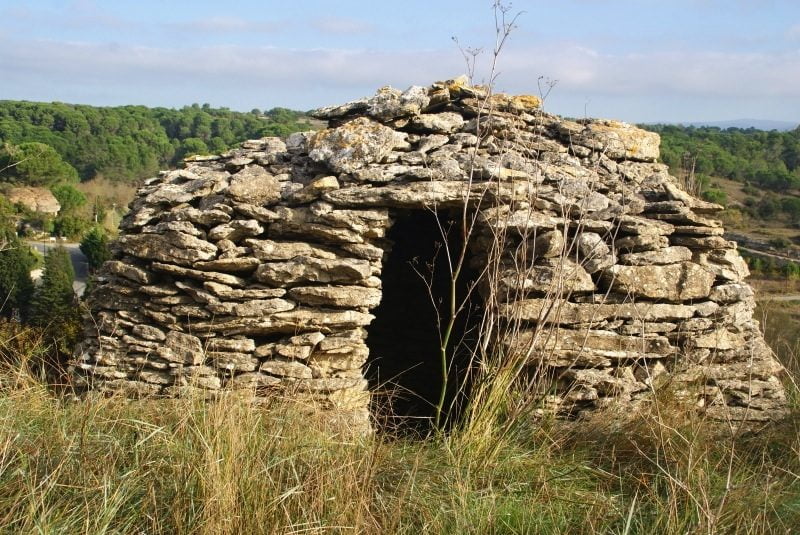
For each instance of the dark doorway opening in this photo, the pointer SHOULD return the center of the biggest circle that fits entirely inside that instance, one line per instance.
(404, 367)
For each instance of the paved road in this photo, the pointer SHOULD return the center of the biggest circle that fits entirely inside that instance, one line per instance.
(79, 263)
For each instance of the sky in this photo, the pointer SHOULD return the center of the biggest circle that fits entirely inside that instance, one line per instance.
(634, 60)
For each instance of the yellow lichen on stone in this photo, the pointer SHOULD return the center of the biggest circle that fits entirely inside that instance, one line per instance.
(527, 102)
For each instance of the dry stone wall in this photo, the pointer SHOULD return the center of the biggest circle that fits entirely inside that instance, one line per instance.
(258, 269)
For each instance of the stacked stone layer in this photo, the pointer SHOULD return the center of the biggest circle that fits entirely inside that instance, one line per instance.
(258, 268)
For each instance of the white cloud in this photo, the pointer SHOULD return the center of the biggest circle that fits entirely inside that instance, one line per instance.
(341, 25)
(793, 33)
(709, 74)
(246, 77)
(227, 25)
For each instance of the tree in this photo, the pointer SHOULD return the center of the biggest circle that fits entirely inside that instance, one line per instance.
(70, 226)
(68, 197)
(95, 246)
(35, 164)
(191, 146)
(54, 306)
(16, 286)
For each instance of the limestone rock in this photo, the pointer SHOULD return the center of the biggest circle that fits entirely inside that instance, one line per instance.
(228, 265)
(254, 185)
(548, 244)
(667, 255)
(149, 333)
(129, 271)
(236, 230)
(593, 252)
(168, 247)
(221, 278)
(731, 293)
(567, 313)
(353, 145)
(674, 282)
(438, 123)
(389, 103)
(555, 276)
(286, 368)
(337, 296)
(236, 345)
(224, 291)
(183, 348)
(309, 269)
(253, 308)
(233, 361)
(269, 250)
(184, 186)
(619, 140)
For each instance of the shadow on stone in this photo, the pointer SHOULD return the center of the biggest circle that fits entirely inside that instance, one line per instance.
(404, 367)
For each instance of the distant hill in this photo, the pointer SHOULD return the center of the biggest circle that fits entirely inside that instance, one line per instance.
(758, 124)
(126, 143)
(764, 159)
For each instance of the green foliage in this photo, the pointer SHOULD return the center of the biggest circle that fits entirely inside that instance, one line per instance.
(192, 146)
(768, 207)
(68, 197)
(770, 160)
(715, 195)
(54, 306)
(95, 246)
(34, 164)
(16, 286)
(749, 189)
(36, 222)
(133, 142)
(791, 207)
(70, 226)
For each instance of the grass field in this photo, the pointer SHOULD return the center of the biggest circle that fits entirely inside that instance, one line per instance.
(188, 466)
(185, 466)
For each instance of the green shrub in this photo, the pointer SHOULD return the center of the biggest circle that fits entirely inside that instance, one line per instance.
(95, 246)
(715, 195)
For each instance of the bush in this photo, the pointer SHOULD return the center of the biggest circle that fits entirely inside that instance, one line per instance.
(68, 197)
(95, 246)
(715, 195)
(779, 243)
(70, 226)
(768, 207)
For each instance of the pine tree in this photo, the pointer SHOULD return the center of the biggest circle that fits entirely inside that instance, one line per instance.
(54, 306)
(16, 286)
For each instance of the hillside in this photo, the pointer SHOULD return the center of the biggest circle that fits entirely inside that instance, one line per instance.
(127, 143)
(756, 175)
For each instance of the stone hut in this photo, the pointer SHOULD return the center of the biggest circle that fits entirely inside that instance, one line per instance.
(300, 265)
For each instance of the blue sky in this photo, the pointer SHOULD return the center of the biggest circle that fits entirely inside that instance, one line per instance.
(637, 60)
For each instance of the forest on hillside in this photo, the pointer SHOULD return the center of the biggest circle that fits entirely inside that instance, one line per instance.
(122, 143)
(768, 160)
